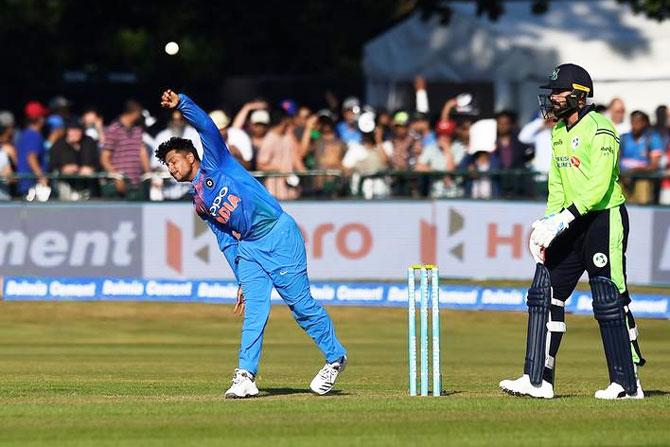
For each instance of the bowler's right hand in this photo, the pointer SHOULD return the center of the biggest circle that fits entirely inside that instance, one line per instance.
(169, 99)
(239, 305)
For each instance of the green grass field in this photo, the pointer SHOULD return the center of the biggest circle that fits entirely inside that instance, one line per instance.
(74, 374)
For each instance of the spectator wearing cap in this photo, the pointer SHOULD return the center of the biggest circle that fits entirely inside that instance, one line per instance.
(481, 158)
(77, 154)
(280, 153)
(400, 141)
(60, 105)
(259, 123)
(641, 151)
(616, 112)
(440, 157)
(347, 129)
(289, 106)
(245, 112)
(124, 154)
(237, 140)
(31, 153)
(59, 108)
(451, 132)
(406, 149)
(258, 131)
(327, 150)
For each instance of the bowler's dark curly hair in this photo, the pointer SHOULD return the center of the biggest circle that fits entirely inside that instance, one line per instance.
(178, 144)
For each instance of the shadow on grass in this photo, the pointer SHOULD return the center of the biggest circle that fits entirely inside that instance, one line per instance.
(647, 393)
(450, 392)
(655, 393)
(270, 392)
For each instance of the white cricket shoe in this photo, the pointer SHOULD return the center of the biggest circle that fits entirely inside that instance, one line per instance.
(523, 387)
(243, 385)
(325, 379)
(616, 392)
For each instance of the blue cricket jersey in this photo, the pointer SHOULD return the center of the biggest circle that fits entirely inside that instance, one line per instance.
(234, 204)
(29, 142)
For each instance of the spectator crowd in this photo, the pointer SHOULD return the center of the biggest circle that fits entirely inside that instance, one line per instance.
(337, 151)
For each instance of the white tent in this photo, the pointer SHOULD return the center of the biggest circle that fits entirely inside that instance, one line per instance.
(627, 55)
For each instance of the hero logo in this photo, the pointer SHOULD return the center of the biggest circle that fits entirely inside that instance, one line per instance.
(183, 245)
(223, 205)
(352, 240)
(51, 248)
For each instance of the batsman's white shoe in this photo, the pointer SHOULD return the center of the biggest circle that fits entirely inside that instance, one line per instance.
(243, 385)
(523, 387)
(616, 392)
(325, 379)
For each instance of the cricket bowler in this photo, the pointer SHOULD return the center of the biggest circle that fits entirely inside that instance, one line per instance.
(585, 228)
(262, 244)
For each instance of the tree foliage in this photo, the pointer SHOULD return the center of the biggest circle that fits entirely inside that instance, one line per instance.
(44, 38)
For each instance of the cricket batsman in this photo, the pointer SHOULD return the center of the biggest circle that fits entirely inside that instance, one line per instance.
(262, 244)
(585, 228)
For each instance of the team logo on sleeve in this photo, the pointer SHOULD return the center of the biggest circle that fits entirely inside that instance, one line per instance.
(600, 260)
(209, 182)
(574, 161)
(575, 143)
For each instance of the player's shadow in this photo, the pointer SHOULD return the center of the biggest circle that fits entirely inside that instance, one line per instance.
(654, 393)
(450, 392)
(270, 392)
(647, 393)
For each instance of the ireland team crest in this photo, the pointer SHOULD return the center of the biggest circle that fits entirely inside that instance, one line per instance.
(575, 143)
(600, 260)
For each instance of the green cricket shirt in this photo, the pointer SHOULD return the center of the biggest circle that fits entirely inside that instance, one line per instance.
(584, 171)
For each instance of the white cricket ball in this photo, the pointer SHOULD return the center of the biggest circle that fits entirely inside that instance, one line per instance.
(171, 48)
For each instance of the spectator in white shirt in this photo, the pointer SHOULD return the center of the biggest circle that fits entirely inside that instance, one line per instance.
(538, 134)
(616, 112)
(368, 157)
(5, 172)
(164, 187)
(237, 139)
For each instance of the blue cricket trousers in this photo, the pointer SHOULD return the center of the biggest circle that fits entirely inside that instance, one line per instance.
(278, 259)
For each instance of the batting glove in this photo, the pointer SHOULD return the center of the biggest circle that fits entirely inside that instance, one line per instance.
(546, 229)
